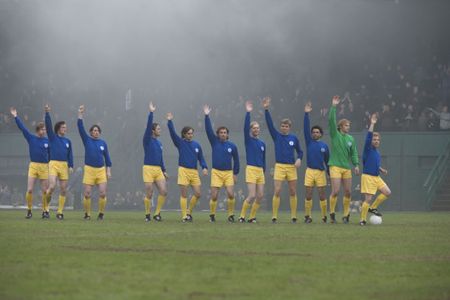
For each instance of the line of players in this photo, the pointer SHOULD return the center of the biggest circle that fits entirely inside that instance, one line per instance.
(52, 161)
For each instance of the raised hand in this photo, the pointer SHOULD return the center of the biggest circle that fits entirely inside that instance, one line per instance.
(336, 100)
(308, 107)
(374, 119)
(47, 108)
(266, 102)
(169, 116)
(13, 111)
(81, 109)
(151, 107)
(206, 109)
(249, 106)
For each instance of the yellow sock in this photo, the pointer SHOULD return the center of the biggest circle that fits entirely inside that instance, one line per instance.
(364, 210)
(255, 207)
(212, 206)
(101, 205)
(275, 206)
(44, 201)
(147, 205)
(333, 201)
(161, 200)
(29, 198)
(230, 206)
(183, 206)
(61, 201)
(192, 204)
(244, 209)
(380, 199)
(87, 205)
(293, 202)
(48, 199)
(323, 207)
(347, 205)
(308, 207)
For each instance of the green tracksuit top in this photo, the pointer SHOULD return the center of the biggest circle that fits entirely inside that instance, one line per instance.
(343, 146)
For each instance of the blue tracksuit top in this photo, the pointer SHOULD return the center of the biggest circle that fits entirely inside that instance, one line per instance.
(222, 152)
(189, 151)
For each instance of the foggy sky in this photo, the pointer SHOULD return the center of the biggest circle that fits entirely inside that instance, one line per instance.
(186, 45)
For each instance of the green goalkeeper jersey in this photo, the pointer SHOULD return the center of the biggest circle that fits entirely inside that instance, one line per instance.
(343, 146)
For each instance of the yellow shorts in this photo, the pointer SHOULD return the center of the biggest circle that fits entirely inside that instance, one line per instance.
(152, 173)
(254, 175)
(94, 176)
(315, 177)
(340, 173)
(221, 178)
(188, 177)
(370, 184)
(38, 170)
(285, 172)
(59, 169)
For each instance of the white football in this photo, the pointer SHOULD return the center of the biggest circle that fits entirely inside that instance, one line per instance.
(375, 220)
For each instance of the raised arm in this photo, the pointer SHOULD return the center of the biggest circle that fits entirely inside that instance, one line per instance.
(306, 124)
(173, 134)
(273, 132)
(368, 142)
(249, 108)
(148, 129)
(208, 126)
(80, 125)
(48, 123)
(373, 121)
(332, 116)
(19, 123)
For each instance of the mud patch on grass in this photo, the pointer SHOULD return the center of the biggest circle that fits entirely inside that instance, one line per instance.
(190, 252)
(197, 252)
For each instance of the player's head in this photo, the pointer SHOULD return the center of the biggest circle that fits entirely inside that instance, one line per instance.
(95, 131)
(376, 139)
(254, 129)
(156, 129)
(60, 128)
(40, 129)
(316, 132)
(222, 132)
(344, 126)
(285, 126)
(187, 133)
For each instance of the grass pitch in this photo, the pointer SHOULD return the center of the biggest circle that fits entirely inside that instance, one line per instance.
(407, 257)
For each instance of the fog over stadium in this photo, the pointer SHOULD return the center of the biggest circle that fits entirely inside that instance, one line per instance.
(199, 51)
